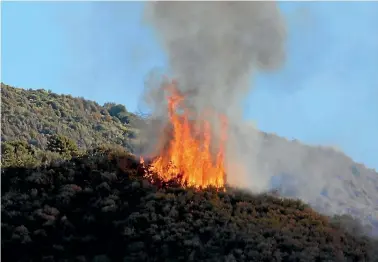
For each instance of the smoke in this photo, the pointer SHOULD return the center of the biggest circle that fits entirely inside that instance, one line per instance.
(213, 48)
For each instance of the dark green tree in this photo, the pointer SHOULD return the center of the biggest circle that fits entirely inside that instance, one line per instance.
(123, 117)
(117, 109)
(62, 145)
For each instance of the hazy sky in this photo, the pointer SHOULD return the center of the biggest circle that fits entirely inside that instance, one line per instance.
(326, 93)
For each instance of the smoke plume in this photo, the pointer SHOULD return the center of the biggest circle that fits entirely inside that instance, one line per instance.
(213, 48)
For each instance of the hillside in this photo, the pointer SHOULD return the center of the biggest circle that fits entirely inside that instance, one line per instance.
(33, 115)
(71, 191)
(98, 207)
(328, 180)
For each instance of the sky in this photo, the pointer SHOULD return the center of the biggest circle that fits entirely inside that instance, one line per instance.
(325, 93)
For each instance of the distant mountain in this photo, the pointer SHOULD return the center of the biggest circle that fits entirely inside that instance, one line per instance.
(327, 179)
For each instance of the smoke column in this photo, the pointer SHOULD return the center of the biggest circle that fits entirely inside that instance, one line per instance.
(213, 48)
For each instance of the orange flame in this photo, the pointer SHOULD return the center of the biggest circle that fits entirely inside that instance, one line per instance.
(188, 156)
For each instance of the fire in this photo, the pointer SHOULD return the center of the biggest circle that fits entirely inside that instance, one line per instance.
(188, 156)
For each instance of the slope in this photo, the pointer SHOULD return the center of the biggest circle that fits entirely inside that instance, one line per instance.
(98, 207)
(328, 180)
(33, 115)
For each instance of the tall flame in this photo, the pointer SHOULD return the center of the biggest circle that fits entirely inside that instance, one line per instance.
(188, 155)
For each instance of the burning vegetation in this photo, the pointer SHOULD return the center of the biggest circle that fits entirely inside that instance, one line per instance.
(188, 156)
(212, 59)
(99, 207)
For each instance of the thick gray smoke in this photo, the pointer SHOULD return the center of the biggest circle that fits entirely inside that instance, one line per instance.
(213, 48)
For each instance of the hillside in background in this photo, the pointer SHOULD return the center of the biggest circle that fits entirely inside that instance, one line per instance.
(34, 115)
(328, 180)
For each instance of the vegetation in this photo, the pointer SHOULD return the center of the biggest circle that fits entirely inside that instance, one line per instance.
(99, 207)
(62, 145)
(62, 202)
(35, 115)
(19, 153)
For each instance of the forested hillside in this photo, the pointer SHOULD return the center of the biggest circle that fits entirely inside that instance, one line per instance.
(34, 115)
(71, 191)
(100, 207)
(36, 124)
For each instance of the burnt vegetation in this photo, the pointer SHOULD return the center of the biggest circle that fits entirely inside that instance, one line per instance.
(64, 203)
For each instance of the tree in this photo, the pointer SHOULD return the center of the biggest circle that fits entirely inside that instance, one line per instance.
(17, 153)
(123, 117)
(62, 145)
(117, 109)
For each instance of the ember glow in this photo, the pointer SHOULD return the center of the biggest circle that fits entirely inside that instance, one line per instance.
(188, 155)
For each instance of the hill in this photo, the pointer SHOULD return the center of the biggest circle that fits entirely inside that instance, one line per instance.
(34, 115)
(99, 207)
(327, 179)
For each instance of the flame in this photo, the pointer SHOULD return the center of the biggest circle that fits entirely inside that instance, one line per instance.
(188, 155)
